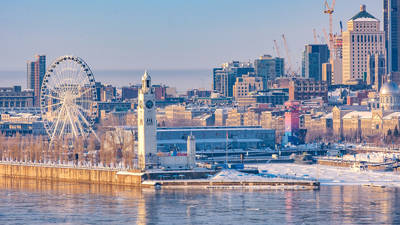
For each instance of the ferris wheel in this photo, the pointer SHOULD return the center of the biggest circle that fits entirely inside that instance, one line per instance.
(68, 98)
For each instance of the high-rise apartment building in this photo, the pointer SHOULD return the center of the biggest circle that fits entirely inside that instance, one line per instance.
(225, 77)
(269, 68)
(35, 73)
(314, 56)
(362, 38)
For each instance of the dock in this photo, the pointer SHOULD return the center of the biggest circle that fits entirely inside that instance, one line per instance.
(191, 179)
(388, 166)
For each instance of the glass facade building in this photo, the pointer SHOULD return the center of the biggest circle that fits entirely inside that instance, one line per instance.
(391, 17)
(314, 56)
(269, 68)
(224, 77)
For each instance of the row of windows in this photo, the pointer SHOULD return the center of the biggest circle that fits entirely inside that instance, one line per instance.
(366, 38)
(389, 100)
(309, 89)
(12, 104)
(366, 26)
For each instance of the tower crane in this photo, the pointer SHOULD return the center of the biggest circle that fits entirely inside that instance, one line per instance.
(315, 36)
(277, 49)
(326, 38)
(290, 72)
(329, 10)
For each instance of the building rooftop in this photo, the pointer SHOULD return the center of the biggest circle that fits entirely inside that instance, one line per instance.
(223, 128)
(363, 15)
(392, 116)
(358, 114)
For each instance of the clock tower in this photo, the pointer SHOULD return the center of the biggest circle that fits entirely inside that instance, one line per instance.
(147, 125)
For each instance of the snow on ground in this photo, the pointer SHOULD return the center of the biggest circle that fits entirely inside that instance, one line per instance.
(234, 175)
(329, 175)
(374, 157)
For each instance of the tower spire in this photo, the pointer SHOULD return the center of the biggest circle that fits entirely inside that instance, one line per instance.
(146, 82)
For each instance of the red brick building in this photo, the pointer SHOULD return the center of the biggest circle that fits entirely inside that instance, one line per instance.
(304, 89)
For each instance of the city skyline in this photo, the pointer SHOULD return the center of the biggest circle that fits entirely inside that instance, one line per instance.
(174, 35)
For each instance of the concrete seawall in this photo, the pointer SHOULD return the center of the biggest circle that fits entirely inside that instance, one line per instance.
(136, 178)
(79, 175)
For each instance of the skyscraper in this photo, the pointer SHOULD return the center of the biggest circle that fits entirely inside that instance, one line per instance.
(314, 56)
(391, 17)
(363, 38)
(269, 68)
(35, 72)
(225, 77)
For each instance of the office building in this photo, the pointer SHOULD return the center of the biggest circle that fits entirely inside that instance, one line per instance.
(362, 38)
(35, 73)
(391, 17)
(327, 73)
(314, 56)
(198, 93)
(269, 68)
(14, 97)
(225, 76)
(130, 92)
(305, 89)
(376, 70)
(215, 138)
(336, 60)
(271, 97)
(247, 84)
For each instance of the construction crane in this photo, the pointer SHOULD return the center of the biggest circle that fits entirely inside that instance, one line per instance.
(341, 28)
(329, 10)
(326, 38)
(277, 49)
(290, 72)
(315, 36)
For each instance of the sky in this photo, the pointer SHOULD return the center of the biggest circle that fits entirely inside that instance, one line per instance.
(173, 34)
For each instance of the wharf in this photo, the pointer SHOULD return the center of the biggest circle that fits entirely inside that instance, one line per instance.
(388, 166)
(196, 178)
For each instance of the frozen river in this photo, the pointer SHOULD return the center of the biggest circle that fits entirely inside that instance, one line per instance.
(34, 202)
(329, 175)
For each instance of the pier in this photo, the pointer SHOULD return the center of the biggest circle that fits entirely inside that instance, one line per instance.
(146, 179)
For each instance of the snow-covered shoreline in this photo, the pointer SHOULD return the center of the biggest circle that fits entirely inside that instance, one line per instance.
(329, 175)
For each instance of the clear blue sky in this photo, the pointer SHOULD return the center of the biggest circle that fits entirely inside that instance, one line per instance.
(171, 34)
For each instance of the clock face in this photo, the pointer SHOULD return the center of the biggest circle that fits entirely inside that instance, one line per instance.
(149, 104)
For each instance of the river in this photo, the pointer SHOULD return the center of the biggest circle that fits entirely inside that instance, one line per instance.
(42, 202)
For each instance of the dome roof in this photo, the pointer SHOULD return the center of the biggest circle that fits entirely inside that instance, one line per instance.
(390, 88)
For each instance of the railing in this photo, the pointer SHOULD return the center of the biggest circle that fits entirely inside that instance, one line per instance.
(72, 164)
